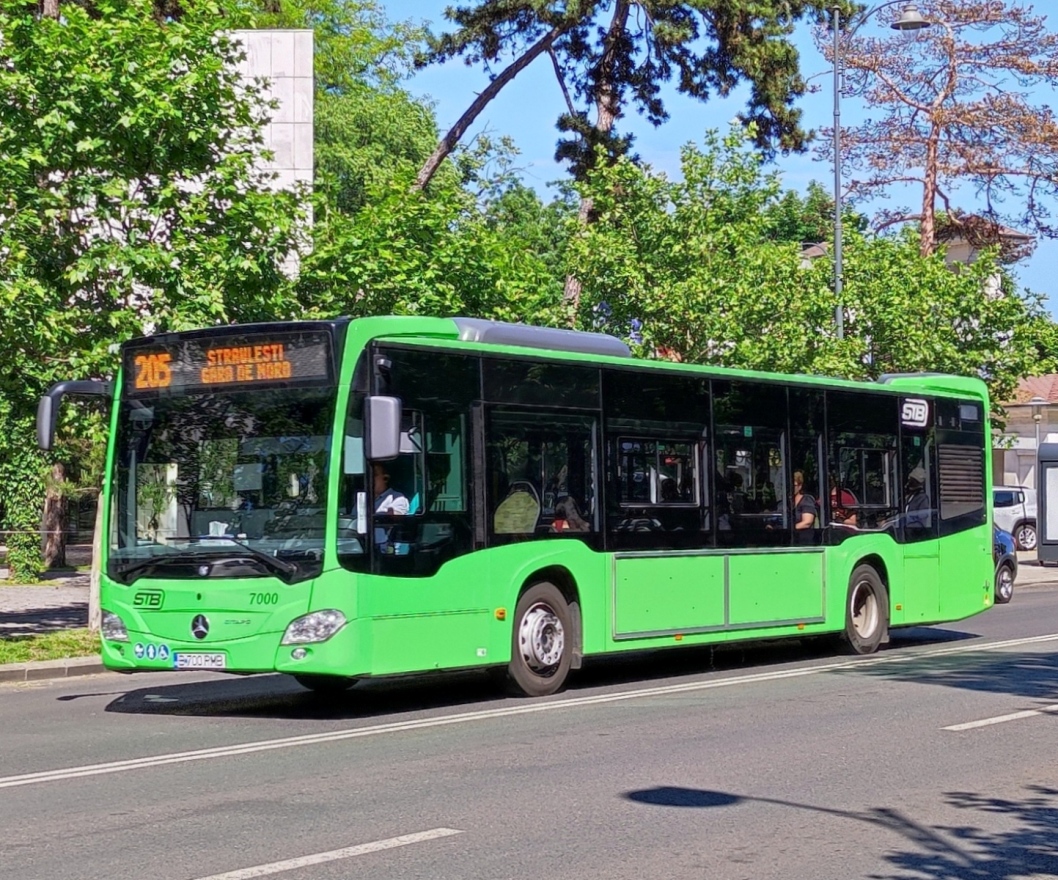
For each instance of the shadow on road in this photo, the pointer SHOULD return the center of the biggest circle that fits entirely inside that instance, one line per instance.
(1025, 674)
(36, 621)
(279, 696)
(973, 850)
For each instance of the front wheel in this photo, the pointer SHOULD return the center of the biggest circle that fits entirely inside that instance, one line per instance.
(325, 684)
(1025, 536)
(541, 642)
(1004, 584)
(866, 612)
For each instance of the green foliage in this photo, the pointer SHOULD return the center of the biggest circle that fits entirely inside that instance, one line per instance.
(411, 253)
(355, 44)
(129, 205)
(364, 137)
(694, 269)
(808, 219)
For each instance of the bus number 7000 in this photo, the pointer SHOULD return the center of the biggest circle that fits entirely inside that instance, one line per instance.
(264, 598)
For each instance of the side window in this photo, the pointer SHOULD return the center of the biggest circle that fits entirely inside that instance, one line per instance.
(656, 426)
(862, 441)
(540, 476)
(408, 516)
(918, 516)
(1003, 499)
(751, 476)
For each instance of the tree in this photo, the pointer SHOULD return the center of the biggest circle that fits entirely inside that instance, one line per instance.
(692, 271)
(963, 104)
(130, 204)
(707, 46)
(410, 252)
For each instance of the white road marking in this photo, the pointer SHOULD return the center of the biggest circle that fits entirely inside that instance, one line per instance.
(333, 856)
(1000, 719)
(528, 708)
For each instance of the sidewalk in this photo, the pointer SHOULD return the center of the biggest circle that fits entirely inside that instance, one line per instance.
(60, 602)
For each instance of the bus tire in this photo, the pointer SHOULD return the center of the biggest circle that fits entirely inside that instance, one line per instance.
(541, 641)
(866, 612)
(325, 684)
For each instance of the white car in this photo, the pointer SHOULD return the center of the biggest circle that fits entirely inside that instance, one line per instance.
(1014, 509)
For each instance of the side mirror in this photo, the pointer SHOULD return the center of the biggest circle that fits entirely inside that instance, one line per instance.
(48, 408)
(382, 428)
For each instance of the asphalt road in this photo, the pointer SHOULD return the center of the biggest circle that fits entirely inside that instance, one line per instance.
(933, 759)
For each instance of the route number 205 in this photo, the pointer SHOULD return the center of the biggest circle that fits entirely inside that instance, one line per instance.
(153, 370)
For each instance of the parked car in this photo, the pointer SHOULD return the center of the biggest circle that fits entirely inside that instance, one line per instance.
(1014, 511)
(1004, 551)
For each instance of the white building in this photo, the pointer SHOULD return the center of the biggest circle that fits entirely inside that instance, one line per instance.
(1032, 418)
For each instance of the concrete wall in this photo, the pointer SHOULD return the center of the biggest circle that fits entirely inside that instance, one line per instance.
(1014, 451)
(285, 59)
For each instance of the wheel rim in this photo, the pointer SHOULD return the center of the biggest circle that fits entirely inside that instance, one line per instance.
(863, 608)
(1027, 538)
(541, 639)
(1005, 587)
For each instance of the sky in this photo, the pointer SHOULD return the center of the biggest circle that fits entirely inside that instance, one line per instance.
(526, 110)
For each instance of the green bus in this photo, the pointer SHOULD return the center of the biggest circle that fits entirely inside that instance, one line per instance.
(351, 498)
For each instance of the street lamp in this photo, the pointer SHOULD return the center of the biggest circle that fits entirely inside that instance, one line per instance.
(1038, 403)
(910, 20)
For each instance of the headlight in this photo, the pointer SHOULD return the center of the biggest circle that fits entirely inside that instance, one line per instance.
(114, 628)
(316, 627)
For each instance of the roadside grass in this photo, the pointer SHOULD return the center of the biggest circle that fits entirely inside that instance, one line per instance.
(49, 646)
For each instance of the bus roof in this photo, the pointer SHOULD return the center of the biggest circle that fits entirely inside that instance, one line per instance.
(526, 340)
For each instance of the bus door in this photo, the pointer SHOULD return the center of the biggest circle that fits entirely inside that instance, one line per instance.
(920, 595)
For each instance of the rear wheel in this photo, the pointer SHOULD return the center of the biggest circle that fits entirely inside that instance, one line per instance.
(1004, 584)
(1025, 535)
(541, 642)
(325, 684)
(866, 611)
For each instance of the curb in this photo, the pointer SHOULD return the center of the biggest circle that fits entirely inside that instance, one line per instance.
(40, 670)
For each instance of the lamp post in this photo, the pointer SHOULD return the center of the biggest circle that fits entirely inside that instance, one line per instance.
(1038, 403)
(910, 20)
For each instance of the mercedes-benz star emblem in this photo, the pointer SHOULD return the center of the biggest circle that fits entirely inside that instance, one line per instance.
(200, 626)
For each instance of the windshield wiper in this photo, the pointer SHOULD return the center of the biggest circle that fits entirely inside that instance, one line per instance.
(132, 570)
(272, 563)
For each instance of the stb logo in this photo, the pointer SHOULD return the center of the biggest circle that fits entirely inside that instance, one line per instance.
(150, 599)
(915, 413)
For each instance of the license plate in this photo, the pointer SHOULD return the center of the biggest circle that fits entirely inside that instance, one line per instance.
(199, 660)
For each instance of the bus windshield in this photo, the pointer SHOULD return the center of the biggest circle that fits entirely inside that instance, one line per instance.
(230, 484)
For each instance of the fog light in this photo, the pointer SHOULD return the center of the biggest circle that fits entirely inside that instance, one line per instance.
(299, 654)
(113, 628)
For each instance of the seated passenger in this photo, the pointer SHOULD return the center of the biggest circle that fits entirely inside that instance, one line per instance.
(567, 517)
(669, 493)
(843, 505)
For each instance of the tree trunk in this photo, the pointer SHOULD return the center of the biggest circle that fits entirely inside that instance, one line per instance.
(928, 227)
(49, 8)
(56, 518)
(606, 110)
(449, 141)
(95, 614)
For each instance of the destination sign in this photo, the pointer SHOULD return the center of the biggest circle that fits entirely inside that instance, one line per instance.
(210, 362)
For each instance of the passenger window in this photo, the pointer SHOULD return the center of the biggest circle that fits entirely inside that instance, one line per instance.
(1003, 499)
(540, 476)
(751, 475)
